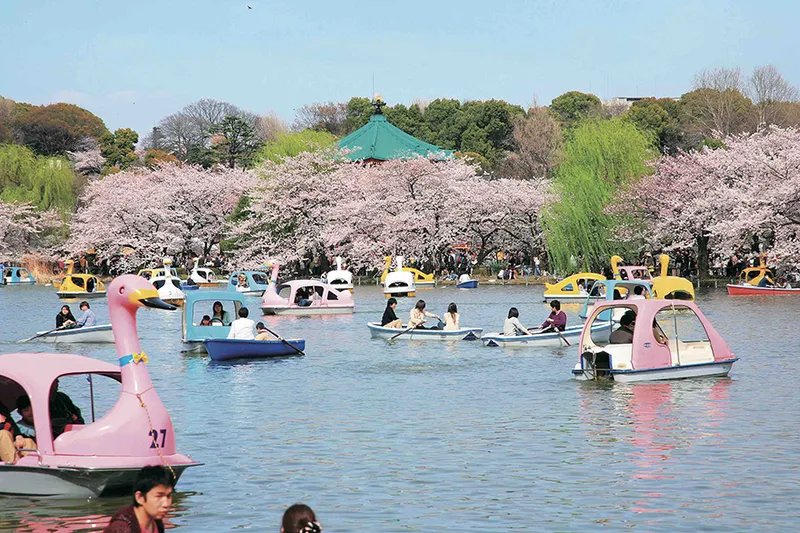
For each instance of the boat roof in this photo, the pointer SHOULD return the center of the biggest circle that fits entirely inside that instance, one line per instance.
(624, 283)
(204, 295)
(644, 308)
(297, 283)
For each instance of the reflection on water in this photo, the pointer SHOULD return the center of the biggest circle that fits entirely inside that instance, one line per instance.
(428, 436)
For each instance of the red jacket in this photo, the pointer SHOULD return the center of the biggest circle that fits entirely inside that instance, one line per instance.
(125, 521)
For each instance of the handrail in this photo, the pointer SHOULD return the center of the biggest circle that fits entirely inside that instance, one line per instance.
(33, 451)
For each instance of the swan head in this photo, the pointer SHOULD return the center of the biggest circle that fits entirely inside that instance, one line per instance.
(132, 292)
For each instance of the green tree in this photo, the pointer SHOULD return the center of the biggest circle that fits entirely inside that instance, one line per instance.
(118, 148)
(359, 109)
(574, 106)
(46, 182)
(659, 118)
(57, 128)
(291, 144)
(235, 141)
(711, 112)
(601, 158)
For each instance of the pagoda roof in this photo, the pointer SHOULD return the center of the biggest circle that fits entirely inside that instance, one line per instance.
(381, 140)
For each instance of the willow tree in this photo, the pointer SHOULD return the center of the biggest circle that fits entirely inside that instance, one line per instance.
(46, 182)
(602, 158)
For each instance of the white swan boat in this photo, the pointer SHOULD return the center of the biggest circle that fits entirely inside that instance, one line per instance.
(399, 282)
(462, 334)
(340, 279)
(168, 286)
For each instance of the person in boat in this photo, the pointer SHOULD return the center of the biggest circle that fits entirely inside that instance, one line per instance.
(206, 321)
(301, 298)
(512, 325)
(88, 318)
(220, 314)
(299, 518)
(766, 282)
(242, 327)
(658, 333)
(63, 411)
(582, 288)
(624, 333)
(25, 422)
(638, 294)
(451, 317)
(390, 319)
(617, 294)
(556, 320)
(65, 318)
(242, 285)
(262, 334)
(11, 439)
(418, 314)
(152, 499)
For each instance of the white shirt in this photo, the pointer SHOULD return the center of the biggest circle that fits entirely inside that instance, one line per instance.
(513, 327)
(242, 328)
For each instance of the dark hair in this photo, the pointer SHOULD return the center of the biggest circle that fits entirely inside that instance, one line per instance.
(260, 325)
(513, 313)
(617, 295)
(638, 289)
(420, 305)
(299, 518)
(66, 307)
(150, 477)
(243, 312)
(215, 306)
(628, 318)
(205, 317)
(84, 303)
(555, 304)
(391, 301)
(452, 308)
(23, 402)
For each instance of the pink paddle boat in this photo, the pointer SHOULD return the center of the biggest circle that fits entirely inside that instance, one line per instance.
(101, 457)
(315, 298)
(669, 340)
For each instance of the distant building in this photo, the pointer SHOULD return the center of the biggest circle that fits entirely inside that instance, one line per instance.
(628, 101)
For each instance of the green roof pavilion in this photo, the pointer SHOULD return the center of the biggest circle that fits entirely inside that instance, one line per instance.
(380, 140)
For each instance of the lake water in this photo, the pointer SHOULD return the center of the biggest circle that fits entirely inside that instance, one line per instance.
(458, 437)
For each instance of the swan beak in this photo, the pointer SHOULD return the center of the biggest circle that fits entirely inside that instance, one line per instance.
(149, 298)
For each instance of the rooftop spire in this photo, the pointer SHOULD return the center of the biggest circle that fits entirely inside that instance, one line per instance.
(378, 103)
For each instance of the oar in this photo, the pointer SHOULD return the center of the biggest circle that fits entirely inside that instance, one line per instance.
(393, 337)
(40, 335)
(295, 348)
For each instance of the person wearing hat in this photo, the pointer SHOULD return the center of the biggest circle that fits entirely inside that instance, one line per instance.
(624, 333)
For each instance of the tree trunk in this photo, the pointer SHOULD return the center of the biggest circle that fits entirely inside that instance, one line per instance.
(702, 255)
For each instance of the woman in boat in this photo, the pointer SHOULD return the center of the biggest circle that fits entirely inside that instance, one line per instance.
(243, 285)
(220, 314)
(418, 315)
(390, 319)
(65, 318)
(512, 325)
(451, 317)
(556, 320)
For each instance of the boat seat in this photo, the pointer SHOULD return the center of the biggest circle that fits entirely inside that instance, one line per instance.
(690, 352)
(621, 355)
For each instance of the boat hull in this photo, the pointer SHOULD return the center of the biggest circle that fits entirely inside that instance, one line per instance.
(306, 311)
(230, 349)
(425, 283)
(71, 482)
(90, 334)
(471, 284)
(466, 334)
(752, 290)
(701, 370)
(554, 340)
(570, 297)
(81, 295)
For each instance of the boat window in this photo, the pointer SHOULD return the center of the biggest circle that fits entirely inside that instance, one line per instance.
(682, 323)
(332, 295)
(158, 283)
(24, 275)
(623, 274)
(78, 282)
(567, 287)
(318, 291)
(176, 283)
(260, 278)
(206, 307)
(602, 334)
(10, 391)
(145, 275)
(82, 399)
(90, 284)
(753, 275)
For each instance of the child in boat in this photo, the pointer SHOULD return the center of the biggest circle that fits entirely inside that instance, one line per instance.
(262, 333)
(418, 314)
(206, 321)
(11, 440)
(300, 518)
(556, 320)
(152, 499)
(451, 317)
(390, 319)
(512, 325)
(25, 411)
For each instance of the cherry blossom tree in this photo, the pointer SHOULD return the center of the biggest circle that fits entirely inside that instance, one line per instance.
(23, 229)
(146, 214)
(88, 162)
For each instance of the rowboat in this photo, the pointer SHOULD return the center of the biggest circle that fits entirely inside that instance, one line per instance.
(574, 288)
(87, 334)
(550, 339)
(17, 276)
(750, 290)
(399, 282)
(340, 278)
(104, 455)
(463, 334)
(229, 349)
(465, 282)
(248, 282)
(669, 339)
(81, 286)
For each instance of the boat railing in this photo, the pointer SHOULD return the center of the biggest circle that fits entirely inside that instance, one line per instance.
(32, 451)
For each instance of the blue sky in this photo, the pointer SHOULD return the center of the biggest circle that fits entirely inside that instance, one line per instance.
(132, 63)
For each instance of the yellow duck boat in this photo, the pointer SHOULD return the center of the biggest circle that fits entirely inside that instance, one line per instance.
(81, 286)
(569, 289)
(664, 287)
(421, 279)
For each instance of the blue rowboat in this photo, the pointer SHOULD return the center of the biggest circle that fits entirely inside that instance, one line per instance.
(229, 349)
(471, 284)
(571, 334)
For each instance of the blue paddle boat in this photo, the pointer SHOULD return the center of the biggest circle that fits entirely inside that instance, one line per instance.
(229, 349)
(17, 276)
(623, 290)
(466, 282)
(248, 282)
(201, 303)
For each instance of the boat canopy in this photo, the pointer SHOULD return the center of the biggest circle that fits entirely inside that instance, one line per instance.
(17, 275)
(200, 303)
(607, 288)
(255, 279)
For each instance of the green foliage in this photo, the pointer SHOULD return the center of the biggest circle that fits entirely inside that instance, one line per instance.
(235, 141)
(705, 111)
(57, 128)
(291, 144)
(359, 110)
(46, 182)
(118, 148)
(601, 158)
(711, 143)
(572, 107)
(660, 119)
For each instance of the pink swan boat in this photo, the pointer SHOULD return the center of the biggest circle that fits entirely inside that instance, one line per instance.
(321, 298)
(101, 457)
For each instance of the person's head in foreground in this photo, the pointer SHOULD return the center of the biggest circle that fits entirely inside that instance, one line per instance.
(299, 518)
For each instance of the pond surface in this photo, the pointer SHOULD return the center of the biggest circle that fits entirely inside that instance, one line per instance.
(417, 436)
